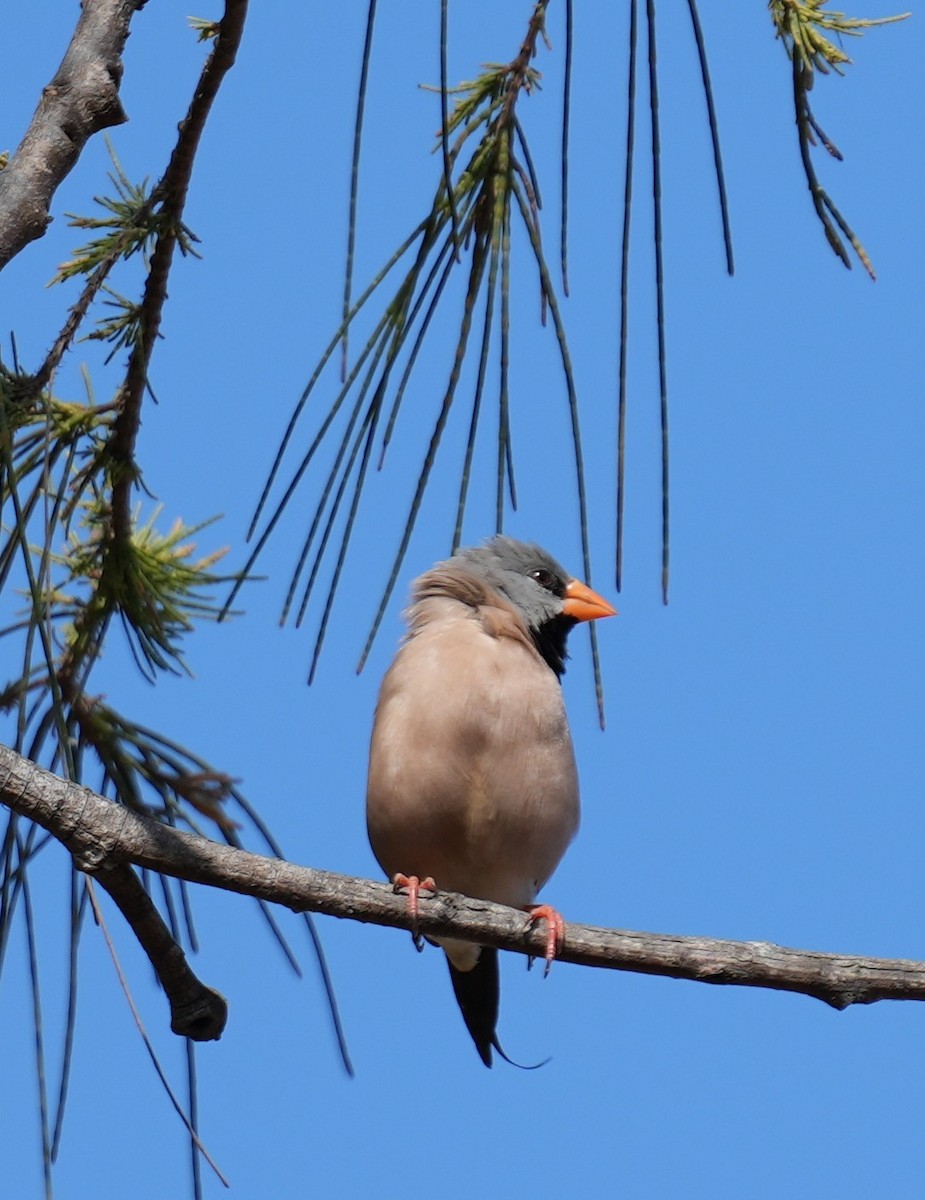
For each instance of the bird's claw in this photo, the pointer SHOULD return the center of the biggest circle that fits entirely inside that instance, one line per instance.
(414, 885)
(555, 931)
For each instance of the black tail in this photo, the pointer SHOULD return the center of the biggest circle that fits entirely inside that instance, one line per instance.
(478, 993)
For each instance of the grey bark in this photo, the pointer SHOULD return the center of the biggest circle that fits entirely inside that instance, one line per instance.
(104, 837)
(81, 99)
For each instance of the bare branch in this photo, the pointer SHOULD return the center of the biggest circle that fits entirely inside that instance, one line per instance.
(101, 835)
(82, 99)
(171, 191)
(196, 1011)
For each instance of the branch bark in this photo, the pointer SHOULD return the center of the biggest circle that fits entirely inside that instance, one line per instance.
(103, 837)
(82, 99)
(196, 1010)
(170, 194)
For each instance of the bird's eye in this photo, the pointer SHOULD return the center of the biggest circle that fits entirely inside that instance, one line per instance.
(546, 580)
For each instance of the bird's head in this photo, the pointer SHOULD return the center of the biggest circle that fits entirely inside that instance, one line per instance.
(550, 599)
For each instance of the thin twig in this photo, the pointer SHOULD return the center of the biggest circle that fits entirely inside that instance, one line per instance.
(171, 194)
(161, 1074)
(566, 122)
(659, 286)
(445, 132)
(714, 132)
(355, 183)
(624, 284)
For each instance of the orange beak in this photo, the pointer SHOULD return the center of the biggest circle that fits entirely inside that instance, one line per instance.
(583, 604)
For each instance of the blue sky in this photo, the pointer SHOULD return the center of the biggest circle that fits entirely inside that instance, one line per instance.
(761, 775)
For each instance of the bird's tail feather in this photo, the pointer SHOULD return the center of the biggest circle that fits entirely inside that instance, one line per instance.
(478, 994)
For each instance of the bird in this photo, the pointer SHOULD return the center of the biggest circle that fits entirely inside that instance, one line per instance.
(472, 783)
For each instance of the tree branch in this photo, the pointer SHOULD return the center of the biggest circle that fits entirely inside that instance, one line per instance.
(171, 193)
(196, 1011)
(82, 99)
(102, 836)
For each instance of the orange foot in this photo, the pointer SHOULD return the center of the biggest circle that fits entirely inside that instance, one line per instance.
(555, 930)
(414, 886)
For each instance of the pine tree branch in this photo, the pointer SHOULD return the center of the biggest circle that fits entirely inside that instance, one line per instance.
(82, 99)
(196, 1010)
(104, 836)
(171, 194)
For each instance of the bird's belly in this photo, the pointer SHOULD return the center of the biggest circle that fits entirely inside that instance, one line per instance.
(483, 798)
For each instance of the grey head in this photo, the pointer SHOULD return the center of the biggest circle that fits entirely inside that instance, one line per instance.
(548, 597)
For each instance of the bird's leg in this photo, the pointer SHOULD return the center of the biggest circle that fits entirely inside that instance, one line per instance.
(414, 886)
(555, 930)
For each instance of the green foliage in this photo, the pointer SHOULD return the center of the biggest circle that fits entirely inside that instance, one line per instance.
(75, 550)
(73, 543)
(149, 580)
(207, 30)
(129, 227)
(56, 473)
(124, 329)
(135, 218)
(799, 25)
(488, 184)
(78, 553)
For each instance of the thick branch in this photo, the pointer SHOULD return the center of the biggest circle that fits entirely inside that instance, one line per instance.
(82, 99)
(101, 834)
